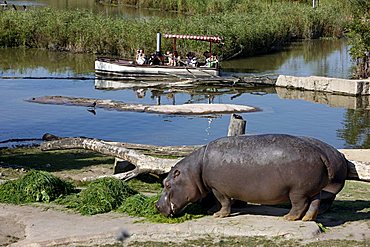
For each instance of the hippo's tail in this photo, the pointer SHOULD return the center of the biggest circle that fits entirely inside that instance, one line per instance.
(358, 170)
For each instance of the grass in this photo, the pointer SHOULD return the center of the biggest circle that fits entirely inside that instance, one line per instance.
(72, 161)
(351, 204)
(35, 186)
(146, 183)
(252, 28)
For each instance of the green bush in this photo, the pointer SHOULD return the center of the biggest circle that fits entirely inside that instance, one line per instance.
(35, 186)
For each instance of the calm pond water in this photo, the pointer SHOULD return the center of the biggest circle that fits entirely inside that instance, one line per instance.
(338, 120)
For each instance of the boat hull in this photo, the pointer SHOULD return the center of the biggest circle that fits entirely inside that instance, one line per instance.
(119, 67)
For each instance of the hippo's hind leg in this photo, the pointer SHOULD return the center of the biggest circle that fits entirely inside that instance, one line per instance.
(313, 209)
(225, 204)
(328, 195)
(299, 206)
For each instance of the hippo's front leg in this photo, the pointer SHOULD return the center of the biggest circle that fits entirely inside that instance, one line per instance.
(225, 204)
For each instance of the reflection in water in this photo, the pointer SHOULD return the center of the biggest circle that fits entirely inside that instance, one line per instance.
(356, 128)
(38, 62)
(356, 123)
(333, 100)
(315, 57)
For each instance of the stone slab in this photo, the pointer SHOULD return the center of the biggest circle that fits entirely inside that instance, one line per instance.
(325, 84)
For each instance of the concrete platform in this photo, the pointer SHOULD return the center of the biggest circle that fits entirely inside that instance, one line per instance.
(325, 84)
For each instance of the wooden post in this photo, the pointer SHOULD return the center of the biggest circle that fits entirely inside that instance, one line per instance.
(237, 125)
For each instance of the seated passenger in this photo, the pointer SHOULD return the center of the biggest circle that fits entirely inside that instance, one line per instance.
(176, 59)
(169, 57)
(214, 61)
(194, 62)
(140, 57)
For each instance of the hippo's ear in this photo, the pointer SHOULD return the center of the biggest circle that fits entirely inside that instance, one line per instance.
(176, 173)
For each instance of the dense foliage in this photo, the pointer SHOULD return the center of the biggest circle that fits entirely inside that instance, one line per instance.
(359, 34)
(35, 186)
(248, 27)
(209, 6)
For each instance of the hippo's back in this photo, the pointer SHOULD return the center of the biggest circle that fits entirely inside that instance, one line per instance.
(258, 150)
(264, 168)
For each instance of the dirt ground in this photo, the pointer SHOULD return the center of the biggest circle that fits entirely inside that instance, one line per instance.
(45, 225)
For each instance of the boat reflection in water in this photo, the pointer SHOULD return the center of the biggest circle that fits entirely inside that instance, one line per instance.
(333, 100)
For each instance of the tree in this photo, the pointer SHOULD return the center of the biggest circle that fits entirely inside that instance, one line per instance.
(359, 37)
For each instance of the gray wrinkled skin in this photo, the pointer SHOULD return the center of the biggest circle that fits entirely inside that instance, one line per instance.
(265, 169)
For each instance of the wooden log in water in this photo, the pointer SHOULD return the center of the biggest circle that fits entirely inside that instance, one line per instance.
(237, 125)
(185, 109)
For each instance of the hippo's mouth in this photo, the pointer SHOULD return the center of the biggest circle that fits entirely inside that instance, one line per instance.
(173, 208)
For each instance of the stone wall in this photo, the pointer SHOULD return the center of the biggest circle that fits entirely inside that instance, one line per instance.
(325, 84)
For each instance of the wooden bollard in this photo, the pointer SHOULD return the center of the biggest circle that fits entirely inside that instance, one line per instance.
(237, 125)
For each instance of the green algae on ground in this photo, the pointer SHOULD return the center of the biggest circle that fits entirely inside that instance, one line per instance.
(144, 206)
(35, 186)
(101, 196)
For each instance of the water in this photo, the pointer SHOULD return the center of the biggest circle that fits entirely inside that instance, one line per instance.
(339, 120)
(315, 57)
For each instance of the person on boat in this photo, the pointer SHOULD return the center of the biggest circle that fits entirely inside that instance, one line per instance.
(176, 59)
(140, 57)
(191, 59)
(169, 58)
(214, 61)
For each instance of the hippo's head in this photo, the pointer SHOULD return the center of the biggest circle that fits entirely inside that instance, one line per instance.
(179, 190)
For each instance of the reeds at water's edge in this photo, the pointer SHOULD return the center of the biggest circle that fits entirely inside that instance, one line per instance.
(248, 29)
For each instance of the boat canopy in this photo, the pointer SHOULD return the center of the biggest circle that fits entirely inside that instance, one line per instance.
(213, 39)
(210, 39)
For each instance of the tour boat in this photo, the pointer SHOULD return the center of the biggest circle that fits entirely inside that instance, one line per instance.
(129, 68)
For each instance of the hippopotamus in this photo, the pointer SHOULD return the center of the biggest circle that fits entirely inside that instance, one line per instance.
(265, 169)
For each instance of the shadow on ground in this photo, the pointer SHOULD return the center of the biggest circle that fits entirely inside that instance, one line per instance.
(51, 161)
(342, 211)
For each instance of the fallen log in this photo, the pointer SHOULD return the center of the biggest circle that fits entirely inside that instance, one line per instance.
(126, 151)
(143, 163)
(153, 150)
(185, 109)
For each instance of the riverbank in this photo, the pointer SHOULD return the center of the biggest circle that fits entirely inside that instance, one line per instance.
(249, 30)
(347, 223)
